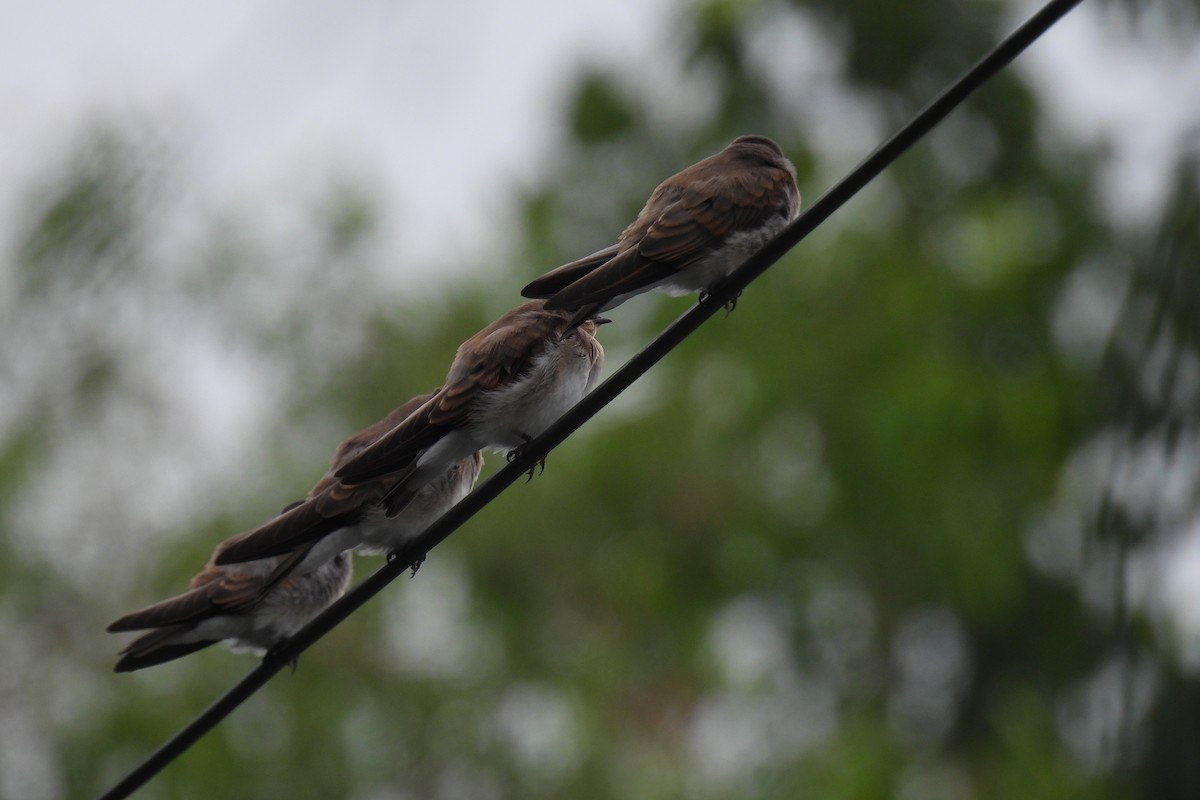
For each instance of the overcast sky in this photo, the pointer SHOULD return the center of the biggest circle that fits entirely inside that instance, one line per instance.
(257, 89)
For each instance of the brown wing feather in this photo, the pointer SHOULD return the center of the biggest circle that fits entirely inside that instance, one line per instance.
(186, 607)
(494, 358)
(215, 591)
(334, 508)
(395, 450)
(695, 221)
(368, 436)
(560, 278)
(236, 591)
(688, 216)
(625, 273)
(155, 648)
(330, 505)
(487, 361)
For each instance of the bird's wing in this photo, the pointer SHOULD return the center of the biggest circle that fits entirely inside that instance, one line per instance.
(489, 360)
(337, 506)
(366, 437)
(215, 591)
(393, 452)
(330, 506)
(697, 217)
(157, 647)
(492, 359)
(561, 277)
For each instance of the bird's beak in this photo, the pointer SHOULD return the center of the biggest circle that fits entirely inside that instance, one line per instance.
(601, 320)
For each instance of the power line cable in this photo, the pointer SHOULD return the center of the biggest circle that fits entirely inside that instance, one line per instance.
(537, 449)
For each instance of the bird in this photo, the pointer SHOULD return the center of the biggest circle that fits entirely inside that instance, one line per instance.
(238, 604)
(335, 517)
(697, 227)
(506, 385)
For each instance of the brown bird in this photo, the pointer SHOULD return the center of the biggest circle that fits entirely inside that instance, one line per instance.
(300, 560)
(697, 227)
(507, 384)
(336, 517)
(240, 604)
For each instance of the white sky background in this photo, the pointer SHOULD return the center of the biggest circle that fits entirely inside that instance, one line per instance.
(396, 89)
(268, 86)
(1130, 86)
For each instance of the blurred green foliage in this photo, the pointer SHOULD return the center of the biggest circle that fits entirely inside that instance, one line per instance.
(791, 562)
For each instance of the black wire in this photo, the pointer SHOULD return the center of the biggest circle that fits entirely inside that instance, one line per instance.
(605, 393)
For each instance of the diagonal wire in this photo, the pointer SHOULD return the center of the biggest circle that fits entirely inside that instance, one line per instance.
(605, 393)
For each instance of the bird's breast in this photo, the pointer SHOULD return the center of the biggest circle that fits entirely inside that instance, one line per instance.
(556, 380)
(710, 270)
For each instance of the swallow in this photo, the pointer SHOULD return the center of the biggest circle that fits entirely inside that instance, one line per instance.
(507, 384)
(697, 227)
(336, 517)
(237, 604)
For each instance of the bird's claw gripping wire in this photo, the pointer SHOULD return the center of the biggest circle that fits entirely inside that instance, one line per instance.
(273, 654)
(416, 565)
(519, 451)
(730, 304)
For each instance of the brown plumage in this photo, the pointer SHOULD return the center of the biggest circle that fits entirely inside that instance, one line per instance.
(507, 384)
(286, 571)
(240, 604)
(337, 516)
(697, 226)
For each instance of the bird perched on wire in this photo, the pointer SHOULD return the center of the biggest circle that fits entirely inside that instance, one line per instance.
(507, 384)
(336, 516)
(239, 604)
(696, 228)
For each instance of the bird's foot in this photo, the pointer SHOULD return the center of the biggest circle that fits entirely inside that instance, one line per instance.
(732, 304)
(273, 654)
(519, 451)
(416, 565)
(729, 306)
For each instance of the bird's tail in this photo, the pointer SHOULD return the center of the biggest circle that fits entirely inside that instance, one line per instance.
(299, 525)
(157, 647)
